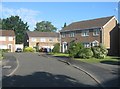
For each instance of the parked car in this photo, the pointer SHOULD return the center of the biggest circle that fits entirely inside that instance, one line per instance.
(18, 50)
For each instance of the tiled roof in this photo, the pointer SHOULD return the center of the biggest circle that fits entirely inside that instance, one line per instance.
(42, 34)
(7, 32)
(87, 24)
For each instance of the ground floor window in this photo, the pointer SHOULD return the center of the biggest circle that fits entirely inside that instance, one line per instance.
(87, 45)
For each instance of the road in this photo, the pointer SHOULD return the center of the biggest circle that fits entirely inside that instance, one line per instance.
(38, 71)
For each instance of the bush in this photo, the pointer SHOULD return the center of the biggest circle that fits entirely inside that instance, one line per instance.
(5, 50)
(56, 48)
(85, 53)
(74, 48)
(29, 49)
(1, 54)
(100, 51)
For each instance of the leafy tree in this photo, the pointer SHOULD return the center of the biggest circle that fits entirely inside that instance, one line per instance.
(100, 51)
(56, 48)
(0, 23)
(45, 26)
(74, 49)
(15, 23)
(85, 53)
(64, 25)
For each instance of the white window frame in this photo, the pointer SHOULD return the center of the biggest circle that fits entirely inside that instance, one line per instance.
(2, 38)
(42, 40)
(10, 38)
(63, 35)
(51, 39)
(33, 39)
(87, 45)
(72, 34)
(96, 32)
(85, 33)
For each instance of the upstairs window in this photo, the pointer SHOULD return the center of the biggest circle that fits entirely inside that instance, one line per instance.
(51, 39)
(85, 33)
(96, 32)
(2, 38)
(63, 35)
(33, 39)
(42, 40)
(72, 34)
(10, 38)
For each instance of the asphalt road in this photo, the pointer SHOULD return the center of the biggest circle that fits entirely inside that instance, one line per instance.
(39, 71)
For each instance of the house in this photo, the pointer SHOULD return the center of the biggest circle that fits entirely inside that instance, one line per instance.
(7, 40)
(43, 39)
(92, 33)
(119, 39)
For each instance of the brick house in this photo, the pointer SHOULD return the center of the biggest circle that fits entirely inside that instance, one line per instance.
(44, 39)
(7, 40)
(91, 33)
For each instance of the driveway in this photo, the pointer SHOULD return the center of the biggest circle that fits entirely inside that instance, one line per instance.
(40, 71)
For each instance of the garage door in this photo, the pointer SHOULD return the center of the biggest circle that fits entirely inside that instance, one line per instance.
(3, 46)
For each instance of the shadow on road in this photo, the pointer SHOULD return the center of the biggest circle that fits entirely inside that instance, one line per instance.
(41, 79)
(111, 62)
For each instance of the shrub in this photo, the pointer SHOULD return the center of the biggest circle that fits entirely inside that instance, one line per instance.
(100, 51)
(5, 50)
(1, 54)
(29, 49)
(56, 48)
(85, 53)
(74, 48)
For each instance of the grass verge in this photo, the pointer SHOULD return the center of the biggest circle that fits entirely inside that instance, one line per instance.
(110, 59)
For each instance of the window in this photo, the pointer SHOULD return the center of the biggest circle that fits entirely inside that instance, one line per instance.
(51, 39)
(2, 38)
(10, 38)
(86, 45)
(72, 34)
(96, 32)
(85, 33)
(63, 35)
(33, 39)
(42, 40)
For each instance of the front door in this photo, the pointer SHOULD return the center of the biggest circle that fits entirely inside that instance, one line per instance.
(10, 47)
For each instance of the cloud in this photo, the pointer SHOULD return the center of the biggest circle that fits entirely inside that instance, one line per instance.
(27, 15)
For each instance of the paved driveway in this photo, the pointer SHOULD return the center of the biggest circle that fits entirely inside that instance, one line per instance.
(39, 71)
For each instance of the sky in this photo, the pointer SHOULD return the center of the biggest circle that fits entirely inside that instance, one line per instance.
(58, 12)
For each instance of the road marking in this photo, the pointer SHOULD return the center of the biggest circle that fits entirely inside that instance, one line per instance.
(14, 69)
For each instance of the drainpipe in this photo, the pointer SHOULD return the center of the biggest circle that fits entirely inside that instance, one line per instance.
(102, 32)
(60, 42)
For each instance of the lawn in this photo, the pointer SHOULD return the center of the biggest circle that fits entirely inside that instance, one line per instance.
(60, 54)
(95, 60)
(91, 60)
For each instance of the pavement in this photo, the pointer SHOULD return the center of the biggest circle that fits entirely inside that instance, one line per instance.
(106, 74)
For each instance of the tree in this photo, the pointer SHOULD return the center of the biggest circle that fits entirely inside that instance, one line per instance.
(15, 23)
(74, 48)
(56, 48)
(0, 23)
(64, 25)
(45, 26)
